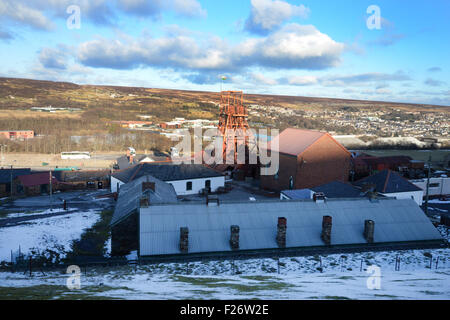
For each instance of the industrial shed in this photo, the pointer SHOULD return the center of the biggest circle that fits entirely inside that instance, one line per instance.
(142, 192)
(193, 228)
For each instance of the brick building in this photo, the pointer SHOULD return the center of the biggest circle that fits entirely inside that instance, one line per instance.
(17, 134)
(307, 159)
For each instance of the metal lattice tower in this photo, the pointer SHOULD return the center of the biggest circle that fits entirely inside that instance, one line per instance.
(233, 125)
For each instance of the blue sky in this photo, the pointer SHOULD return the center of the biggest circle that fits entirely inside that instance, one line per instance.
(309, 48)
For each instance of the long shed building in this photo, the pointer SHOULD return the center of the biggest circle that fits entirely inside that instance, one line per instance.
(203, 229)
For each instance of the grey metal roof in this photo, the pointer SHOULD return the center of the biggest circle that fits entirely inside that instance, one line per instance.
(131, 193)
(209, 227)
(166, 172)
(5, 174)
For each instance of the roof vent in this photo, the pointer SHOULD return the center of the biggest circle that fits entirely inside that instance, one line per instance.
(212, 201)
(319, 197)
(148, 186)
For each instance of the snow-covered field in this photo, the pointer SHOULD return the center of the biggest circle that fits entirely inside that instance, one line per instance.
(45, 233)
(299, 278)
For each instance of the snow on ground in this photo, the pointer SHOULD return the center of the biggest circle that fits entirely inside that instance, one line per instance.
(439, 201)
(32, 213)
(340, 277)
(45, 233)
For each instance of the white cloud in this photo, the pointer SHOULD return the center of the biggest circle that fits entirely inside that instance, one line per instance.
(266, 15)
(292, 47)
(24, 14)
(189, 8)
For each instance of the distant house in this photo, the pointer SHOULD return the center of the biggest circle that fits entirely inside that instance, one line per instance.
(334, 189)
(8, 175)
(142, 192)
(17, 134)
(35, 183)
(186, 178)
(307, 159)
(389, 183)
(366, 165)
(86, 179)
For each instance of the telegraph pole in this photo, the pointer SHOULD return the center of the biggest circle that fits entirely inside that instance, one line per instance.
(428, 185)
(51, 187)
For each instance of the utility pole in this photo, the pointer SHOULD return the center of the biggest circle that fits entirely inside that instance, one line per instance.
(51, 187)
(11, 182)
(428, 185)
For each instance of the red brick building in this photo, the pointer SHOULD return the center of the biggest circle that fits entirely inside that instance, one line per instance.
(17, 134)
(307, 159)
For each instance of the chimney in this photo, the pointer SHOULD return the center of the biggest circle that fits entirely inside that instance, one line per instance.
(326, 229)
(184, 239)
(212, 201)
(319, 197)
(234, 238)
(144, 202)
(281, 232)
(148, 186)
(369, 229)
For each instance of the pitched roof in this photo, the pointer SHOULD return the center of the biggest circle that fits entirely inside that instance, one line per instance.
(166, 172)
(5, 174)
(209, 226)
(131, 193)
(387, 181)
(36, 179)
(334, 189)
(124, 162)
(295, 141)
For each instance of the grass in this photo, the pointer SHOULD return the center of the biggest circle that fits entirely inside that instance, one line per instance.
(92, 242)
(50, 292)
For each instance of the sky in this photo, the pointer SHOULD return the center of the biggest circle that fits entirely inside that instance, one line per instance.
(394, 50)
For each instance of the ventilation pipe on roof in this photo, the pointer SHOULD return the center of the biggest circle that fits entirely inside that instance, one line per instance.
(184, 239)
(369, 229)
(319, 197)
(234, 238)
(281, 232)
(144, 202)
(148, 186)
(212, 201)
(327, 222)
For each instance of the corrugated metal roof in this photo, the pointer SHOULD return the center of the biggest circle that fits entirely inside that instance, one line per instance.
(209, 227)
(131, 193)
(36, 179)
(5, 174)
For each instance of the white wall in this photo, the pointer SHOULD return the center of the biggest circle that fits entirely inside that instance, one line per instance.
(443, 187)
(197, 185)
(114, 183)
(180, 185)
(417, 195)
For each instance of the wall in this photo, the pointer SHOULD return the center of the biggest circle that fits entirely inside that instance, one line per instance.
(114, 183)
(124, 236)
(197, 185)
(180, 185)
(323, 162)
(417, 195)
(442, 189)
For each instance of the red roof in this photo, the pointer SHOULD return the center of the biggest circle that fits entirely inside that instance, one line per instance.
(36, 179)
(296, 141)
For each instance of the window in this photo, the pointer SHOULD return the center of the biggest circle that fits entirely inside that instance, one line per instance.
(434, 185)
(188, 185)
(208, 184)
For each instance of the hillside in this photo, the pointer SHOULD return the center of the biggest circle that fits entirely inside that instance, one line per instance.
(94, 107)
